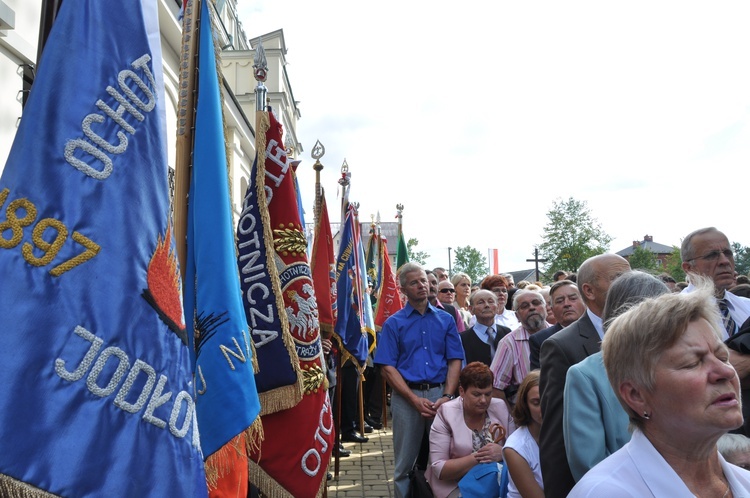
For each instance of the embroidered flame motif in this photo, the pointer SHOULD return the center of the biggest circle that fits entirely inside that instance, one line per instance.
(163, 292)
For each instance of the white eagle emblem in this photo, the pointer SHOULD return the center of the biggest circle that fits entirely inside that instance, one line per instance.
(305, 321)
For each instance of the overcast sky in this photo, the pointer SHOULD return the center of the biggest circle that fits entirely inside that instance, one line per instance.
(478, 115)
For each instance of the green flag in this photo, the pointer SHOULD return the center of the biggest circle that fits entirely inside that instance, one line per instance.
(402, 253)
(372, 260)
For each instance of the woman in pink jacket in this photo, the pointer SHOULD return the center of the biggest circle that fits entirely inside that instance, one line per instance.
(467, 431)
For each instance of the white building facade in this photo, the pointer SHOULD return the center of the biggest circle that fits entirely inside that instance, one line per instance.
(19, 33)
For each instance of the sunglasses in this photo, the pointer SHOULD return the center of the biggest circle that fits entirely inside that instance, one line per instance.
(446, 291)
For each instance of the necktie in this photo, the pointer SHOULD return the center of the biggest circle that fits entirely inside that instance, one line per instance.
(491, 335)
(729, 324)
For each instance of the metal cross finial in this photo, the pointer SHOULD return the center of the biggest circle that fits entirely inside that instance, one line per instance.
(345, 167)
(318, 151)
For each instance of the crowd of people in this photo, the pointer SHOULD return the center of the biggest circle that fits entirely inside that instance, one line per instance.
(607, 382)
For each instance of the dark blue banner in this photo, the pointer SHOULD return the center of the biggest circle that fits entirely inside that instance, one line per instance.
(260, 298)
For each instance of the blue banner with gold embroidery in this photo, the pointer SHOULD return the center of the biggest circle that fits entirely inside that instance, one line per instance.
(96, 397)
(351, 326)
(368, 317)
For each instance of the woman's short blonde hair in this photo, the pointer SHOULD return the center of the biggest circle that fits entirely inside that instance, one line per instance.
(635, 340)
(457, 277)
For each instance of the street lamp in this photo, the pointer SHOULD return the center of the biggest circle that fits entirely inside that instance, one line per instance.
(450, 270)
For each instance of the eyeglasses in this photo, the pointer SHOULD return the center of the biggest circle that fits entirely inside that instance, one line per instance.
(714, 255)
(446, 291)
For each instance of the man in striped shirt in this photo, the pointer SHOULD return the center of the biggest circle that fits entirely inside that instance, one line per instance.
(511, 362)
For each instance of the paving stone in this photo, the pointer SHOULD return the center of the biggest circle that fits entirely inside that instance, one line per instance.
(368, 472)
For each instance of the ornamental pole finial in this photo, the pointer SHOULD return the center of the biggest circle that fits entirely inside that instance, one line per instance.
(260, 67)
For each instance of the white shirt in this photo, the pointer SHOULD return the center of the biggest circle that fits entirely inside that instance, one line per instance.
(508, 319)
(638, 470)
(739, 308)
(523, 443)
(597, 322)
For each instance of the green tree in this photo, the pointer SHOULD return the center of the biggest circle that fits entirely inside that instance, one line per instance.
(471, 262)
(741, 258)
(674, 265)
(414, 255)
(571, 236)
(644, 260)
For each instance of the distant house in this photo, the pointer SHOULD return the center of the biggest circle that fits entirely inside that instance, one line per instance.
(528, 275)
(660, 250)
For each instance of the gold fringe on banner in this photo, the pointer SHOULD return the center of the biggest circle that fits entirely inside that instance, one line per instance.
(13, 488)
(271, 488)
(289, 396)
(220, 463)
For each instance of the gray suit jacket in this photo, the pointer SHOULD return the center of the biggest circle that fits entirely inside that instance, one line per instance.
(562, 350)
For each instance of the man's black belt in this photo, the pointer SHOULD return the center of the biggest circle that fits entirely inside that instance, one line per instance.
(423, 386)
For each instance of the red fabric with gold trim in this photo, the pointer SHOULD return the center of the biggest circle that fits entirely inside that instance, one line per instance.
(323, 265)
(295, 452)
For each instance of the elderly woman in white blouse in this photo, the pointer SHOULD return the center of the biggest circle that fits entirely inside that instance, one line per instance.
(671, 372)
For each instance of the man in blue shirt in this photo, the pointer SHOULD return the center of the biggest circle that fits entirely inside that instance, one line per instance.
(420, 354)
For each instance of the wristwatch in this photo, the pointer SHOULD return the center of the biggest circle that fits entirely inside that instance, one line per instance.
(449, 396)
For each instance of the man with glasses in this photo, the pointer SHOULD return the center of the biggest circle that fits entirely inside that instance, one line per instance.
(432, 297)
(511, 362)
(707, 252)
(446, 292)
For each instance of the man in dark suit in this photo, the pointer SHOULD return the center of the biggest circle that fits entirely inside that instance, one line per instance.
(480, 341)
(562, 350)
(567, 306)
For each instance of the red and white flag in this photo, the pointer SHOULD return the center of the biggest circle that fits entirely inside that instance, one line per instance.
(494, 261)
